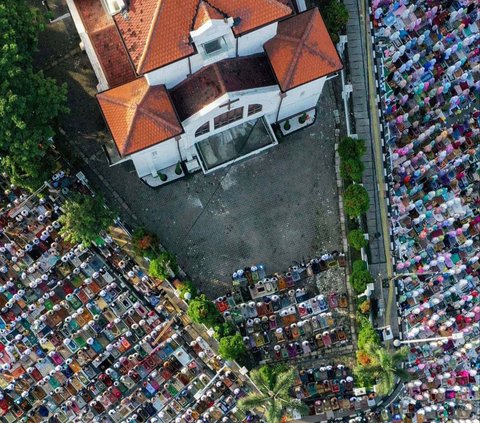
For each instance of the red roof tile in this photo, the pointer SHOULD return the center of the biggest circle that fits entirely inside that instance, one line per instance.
(302, 50)
(205, 13)
(156, 32)
(106, 41)
(211, 82)
(139, 116)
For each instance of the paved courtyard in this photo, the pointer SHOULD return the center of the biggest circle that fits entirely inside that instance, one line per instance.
(273, 208)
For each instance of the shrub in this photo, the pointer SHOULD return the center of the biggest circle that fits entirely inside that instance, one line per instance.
(356, 239)
(351, 169)
(302, 119)
(365, 307)
(178, 169)
(359, 280)
(363, 358)
(286, 125)
(355, 200)
(359, 265)
(202, 310)
(367, 334)
(335, 16)
(232, 347)
(188, 287)
(224, 329)
(350, 148)
(144, 242)
(162, 266)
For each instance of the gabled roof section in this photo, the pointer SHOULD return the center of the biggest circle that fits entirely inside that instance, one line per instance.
(106, 41)
(302, 50)
(139, 116)
(213, 81)
(157, 32)
(206, 12)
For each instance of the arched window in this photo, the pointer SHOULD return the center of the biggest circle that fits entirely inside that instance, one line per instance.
(254, 108)
(228, 117)
(203, 129)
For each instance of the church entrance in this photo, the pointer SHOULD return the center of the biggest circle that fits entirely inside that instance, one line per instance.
(235, 143)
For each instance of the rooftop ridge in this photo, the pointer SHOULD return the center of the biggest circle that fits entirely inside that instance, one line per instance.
(198, 8)
(298, 51)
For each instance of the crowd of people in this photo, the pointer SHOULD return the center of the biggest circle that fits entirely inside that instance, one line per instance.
(79, 342)
(430, 91)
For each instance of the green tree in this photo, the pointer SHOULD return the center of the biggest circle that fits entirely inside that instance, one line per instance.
(29, 102)
(356, 239)
(359, 280)
(224, 329)
(351, 148)
(335, 16)
(384, 367)
(202, 310)
(163, 266)
(359, 265)
(274, 385)
(352, 169)
(355, 200)
(190, 288)
(232, 347)
(144, 242)
(84, 218)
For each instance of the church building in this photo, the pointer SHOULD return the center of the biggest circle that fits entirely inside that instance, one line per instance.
(187, 85)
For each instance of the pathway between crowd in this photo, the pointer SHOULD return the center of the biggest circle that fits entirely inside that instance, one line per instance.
(367, 127)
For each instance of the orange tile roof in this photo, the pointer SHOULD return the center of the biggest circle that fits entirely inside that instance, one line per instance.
(157, 32)
(139, 116)
(302, 50)
(106, 41)
(205, 13)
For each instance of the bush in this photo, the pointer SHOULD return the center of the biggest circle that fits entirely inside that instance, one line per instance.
(355, 200)
(365, 307)
(367, 334)
(356, 239)
(286, 125)
(188, 287)
(232, 347)
(350, 148)
(352, 169)
(224, 329)
(335, 16)
(359, 265)
(144, 242)
(202, 310)
(162, 266)
(359, 280)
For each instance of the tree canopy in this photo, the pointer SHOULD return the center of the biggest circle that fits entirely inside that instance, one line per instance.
(232, 347)
(29, 102)
(335, 15)
(356, 239)
(274, 385)
(84, 218)
(202, 310)
(359, 280)
(356, 201)
(383, 367)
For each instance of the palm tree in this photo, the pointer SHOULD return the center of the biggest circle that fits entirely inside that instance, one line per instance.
(274, 385)
(384, 368)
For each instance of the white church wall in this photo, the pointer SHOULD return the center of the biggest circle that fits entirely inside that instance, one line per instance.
(301, 98)
(170, 75)
(156, 158)
(252, 42)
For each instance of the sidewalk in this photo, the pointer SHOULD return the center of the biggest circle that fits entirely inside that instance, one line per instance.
(357, 62)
